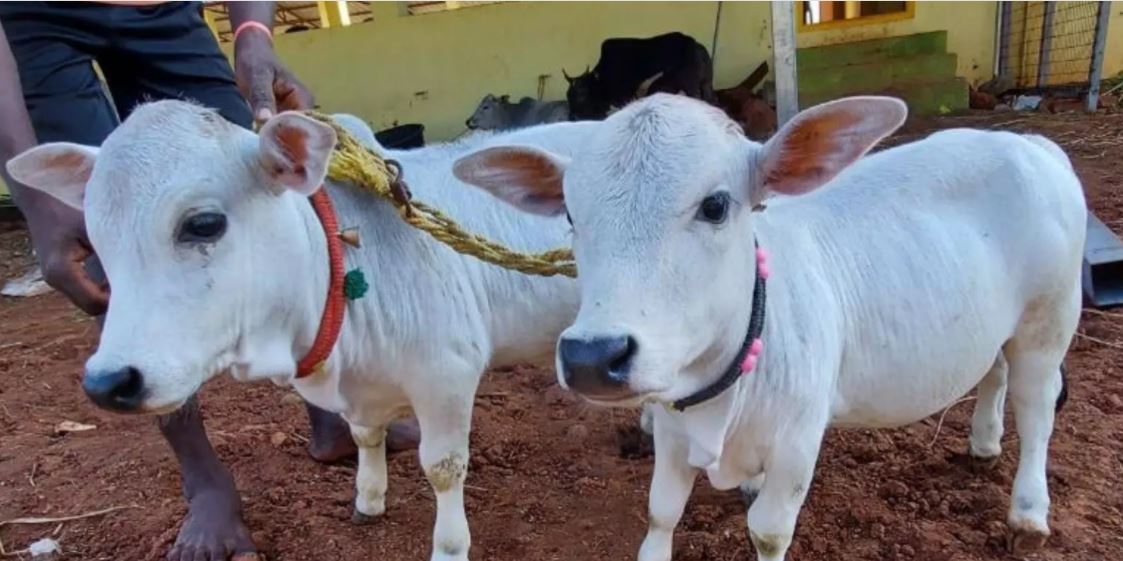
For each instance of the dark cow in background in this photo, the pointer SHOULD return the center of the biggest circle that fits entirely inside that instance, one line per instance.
(498, 113)
(747, 107)
(672, 63)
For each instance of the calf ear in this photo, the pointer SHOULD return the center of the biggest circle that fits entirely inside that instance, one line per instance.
(295, 150)
(526, 177)
(59, 169)
(820, 142)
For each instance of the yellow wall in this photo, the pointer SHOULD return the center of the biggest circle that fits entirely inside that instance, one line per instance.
(434, 68)
(1113, 56)
(970, 27)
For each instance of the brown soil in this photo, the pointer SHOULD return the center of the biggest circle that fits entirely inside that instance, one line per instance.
(552, 478)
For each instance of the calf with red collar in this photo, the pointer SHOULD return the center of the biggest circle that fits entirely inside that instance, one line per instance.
(219, 264)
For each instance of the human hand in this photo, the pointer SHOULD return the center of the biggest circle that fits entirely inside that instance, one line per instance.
(264, 81)
(58, 234)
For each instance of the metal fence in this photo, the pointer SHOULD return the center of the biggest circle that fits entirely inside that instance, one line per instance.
(1048, 45)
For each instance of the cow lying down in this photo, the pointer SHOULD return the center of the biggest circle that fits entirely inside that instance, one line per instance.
(219, 264)
(895, 284)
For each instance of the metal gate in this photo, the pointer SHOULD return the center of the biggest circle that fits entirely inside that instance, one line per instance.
(1052, 45)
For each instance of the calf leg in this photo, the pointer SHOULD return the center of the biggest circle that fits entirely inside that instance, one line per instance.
(986, 423)
(445, 417)
(370, 479)
(1035, 383)
(671, 484)
(773, 515)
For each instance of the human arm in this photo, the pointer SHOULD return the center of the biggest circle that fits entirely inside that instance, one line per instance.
(58, 232)
(263, 80)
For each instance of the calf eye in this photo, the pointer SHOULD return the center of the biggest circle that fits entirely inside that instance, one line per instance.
(205, 227)
(714, 208)
(569, 218)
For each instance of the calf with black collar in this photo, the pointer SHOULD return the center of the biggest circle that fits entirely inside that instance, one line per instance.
(898, 282)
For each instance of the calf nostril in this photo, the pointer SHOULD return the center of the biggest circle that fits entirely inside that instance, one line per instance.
(624, 356)
(132, 385)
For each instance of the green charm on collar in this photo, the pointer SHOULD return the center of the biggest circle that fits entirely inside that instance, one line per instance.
(354, 284)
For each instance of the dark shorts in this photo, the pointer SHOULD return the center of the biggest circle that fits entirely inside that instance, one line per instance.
(146, 53)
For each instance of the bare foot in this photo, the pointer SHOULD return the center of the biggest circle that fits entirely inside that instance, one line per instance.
(213, 530)
(331, 437)
(332, 442)
(403, 435)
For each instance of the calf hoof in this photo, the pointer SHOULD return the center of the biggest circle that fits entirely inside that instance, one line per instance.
(1024, 540)
(983, 463)
(360, 519)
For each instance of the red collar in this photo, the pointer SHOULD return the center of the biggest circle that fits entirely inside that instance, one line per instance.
(331, 322)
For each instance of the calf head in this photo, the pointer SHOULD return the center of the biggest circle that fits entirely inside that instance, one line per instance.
(199, 227)
(585, 96)
(489, 114)
(661, 203)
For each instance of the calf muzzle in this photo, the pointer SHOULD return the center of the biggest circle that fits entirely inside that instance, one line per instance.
(597, 367)
(116, 390)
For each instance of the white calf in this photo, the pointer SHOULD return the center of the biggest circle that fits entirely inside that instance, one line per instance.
(219, 264)
(894, 290)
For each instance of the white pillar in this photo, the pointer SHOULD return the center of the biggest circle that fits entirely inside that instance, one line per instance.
(783, 60)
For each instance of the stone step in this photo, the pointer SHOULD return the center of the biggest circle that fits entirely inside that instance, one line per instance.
(872, 50)
(924, 97)
(876, 76)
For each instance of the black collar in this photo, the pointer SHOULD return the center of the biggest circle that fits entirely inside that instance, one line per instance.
(735, 370)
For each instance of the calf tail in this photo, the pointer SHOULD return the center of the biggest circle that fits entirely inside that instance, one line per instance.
(1063, 396)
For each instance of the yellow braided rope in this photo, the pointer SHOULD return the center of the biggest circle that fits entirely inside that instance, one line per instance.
(354, 163)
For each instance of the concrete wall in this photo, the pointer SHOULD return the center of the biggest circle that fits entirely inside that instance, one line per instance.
(434, 68)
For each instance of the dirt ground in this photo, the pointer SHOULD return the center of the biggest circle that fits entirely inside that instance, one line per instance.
(552, 478)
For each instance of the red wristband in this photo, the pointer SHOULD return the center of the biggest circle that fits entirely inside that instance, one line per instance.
(252, 25)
